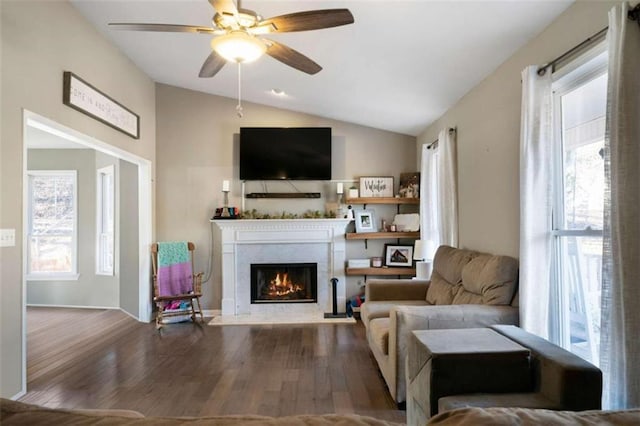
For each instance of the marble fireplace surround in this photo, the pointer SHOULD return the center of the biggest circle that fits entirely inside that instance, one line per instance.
(247, 241)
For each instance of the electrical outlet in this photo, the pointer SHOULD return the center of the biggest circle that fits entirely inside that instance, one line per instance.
(7, 237)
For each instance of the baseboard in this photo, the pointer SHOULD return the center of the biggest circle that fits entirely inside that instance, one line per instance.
(18, 395)
(210, 313)
(134, 317)
(37, 305)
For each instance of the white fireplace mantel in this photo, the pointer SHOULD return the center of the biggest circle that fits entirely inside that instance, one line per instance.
(281, 240)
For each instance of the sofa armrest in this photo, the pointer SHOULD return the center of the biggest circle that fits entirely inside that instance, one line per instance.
(380, 289)
(570, 381)
(404, 319)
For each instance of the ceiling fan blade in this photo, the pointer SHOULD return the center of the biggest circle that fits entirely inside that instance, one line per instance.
(291, 57)
(171, 28)
(212, 65)
(224, 7)
(309, 20)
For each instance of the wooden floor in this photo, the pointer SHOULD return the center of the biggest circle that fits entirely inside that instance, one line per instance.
(79, 358)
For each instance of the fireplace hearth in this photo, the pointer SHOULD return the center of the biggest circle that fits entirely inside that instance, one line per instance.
(284, 283)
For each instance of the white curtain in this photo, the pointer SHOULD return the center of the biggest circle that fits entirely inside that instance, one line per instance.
(429, 233)
(439, 193)
(536, 150)
(620, 328)
(447, 188)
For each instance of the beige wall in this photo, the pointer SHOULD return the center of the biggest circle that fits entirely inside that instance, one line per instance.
(488, 122)
(40, 40)
(127, 206)
(197, 150)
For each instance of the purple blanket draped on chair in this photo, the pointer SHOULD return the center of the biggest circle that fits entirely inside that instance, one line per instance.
(175, 275)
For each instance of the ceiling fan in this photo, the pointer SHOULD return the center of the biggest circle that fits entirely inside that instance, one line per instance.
(239, 34)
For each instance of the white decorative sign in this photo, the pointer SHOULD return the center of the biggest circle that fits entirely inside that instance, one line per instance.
(80, 95)
(373, 186)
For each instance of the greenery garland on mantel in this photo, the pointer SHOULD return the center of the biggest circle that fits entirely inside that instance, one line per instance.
(309, 214)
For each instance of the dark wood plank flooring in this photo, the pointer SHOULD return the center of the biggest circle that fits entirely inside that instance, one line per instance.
(81, 358)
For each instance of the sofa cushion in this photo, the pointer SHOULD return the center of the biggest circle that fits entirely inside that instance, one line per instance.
(446, 277)
(14, 413)
(379, 334)
(488, 280)
(372, 310)
(497, 416)
(441, 292)
(484, 400)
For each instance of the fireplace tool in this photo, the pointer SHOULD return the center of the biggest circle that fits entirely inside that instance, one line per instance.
(335, 314)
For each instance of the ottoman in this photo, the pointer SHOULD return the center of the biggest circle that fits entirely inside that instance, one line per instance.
(461, 361)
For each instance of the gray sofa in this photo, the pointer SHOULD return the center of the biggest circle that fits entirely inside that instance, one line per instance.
(17, 413)
(550, 378)
(467, 289)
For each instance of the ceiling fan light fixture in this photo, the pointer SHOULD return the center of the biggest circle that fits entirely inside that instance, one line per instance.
(238, 46)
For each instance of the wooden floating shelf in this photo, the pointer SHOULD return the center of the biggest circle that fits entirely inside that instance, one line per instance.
(380, 235)
(381, 271)
(382, 200)
(283, 195)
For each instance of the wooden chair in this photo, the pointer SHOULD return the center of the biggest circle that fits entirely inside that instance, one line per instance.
(193, 297)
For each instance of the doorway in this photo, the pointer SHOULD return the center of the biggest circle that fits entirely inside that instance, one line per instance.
(133, 294)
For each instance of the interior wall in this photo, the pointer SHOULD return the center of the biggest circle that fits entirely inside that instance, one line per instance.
(39, 41)
(128, 238)
(88, 290)
(488, 136)
(197, 150)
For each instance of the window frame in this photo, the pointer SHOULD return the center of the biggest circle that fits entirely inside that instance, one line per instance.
(593, 64)
(73, 275)
(100, 213)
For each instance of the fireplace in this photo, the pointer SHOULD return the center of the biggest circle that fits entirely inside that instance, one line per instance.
(247, 241)
(284, 282)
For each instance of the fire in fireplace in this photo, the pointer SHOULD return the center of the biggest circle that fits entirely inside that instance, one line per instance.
(284, 282)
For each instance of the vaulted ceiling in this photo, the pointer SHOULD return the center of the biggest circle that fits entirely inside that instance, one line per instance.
(399, 67)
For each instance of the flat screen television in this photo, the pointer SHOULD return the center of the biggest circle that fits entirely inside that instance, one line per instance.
(276, 153)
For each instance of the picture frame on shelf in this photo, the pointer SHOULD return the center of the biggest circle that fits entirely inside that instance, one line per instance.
(409, 185)
(398, 255)
(376, 186)
(365, 221)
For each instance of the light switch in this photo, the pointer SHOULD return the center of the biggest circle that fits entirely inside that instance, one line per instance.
(7, 237)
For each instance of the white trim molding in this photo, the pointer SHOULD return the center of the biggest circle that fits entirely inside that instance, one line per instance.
(296, 240)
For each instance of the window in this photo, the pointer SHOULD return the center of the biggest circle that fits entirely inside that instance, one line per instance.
(580, 107)
(105, 220)
(52, 228)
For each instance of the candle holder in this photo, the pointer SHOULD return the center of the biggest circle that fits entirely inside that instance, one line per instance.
(225, 205)
(226, 212)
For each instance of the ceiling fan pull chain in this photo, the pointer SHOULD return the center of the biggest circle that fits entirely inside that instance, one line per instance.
(239, 106)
